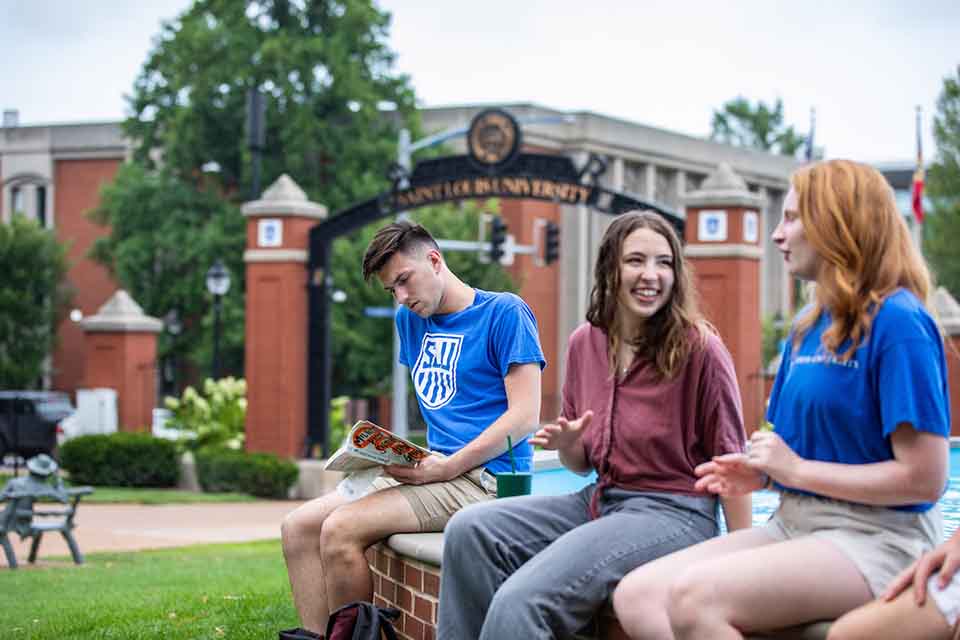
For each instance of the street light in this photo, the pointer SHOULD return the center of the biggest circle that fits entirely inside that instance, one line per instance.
(218, 283)
(173, 326)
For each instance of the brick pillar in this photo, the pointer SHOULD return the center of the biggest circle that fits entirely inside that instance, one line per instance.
(724, 246)
(120, 345)
(278, 228)
(948, 313)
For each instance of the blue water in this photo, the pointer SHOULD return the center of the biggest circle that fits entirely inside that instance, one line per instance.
(560, 481)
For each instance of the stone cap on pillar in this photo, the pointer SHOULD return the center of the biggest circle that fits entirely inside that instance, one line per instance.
(724, 188)
(947, 310)
(284, 197)
(121, 314)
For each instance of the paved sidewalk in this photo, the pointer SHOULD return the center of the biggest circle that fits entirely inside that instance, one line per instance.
(127, 527)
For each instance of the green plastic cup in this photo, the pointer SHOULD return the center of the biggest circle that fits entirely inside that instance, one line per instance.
(514, 484)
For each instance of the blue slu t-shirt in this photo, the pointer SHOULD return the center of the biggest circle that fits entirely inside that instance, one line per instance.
(457, 362)
(834, 411)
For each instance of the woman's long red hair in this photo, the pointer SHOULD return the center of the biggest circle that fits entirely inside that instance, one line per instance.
(851, 219)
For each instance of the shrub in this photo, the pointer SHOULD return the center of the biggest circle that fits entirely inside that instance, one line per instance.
(774, 330)
(260, 474)
(338, 421)
(212, 418)
(121, 460)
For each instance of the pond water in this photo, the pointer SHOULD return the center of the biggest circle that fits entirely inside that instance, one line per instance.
(559, 481)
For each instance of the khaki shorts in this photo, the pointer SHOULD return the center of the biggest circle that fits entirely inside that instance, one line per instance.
(435, 503)
(880, 541)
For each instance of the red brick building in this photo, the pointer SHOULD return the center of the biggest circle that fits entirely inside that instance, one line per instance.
(53, 174)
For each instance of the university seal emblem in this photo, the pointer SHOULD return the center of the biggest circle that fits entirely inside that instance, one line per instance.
(493, 138)
(435, 372)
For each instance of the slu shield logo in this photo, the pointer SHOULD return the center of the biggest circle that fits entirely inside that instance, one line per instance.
(435, 373)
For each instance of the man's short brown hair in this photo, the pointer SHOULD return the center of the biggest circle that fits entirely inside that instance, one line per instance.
(404, 237)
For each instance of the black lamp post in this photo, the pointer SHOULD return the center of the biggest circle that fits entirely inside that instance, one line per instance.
(218, 283)
(173, 327)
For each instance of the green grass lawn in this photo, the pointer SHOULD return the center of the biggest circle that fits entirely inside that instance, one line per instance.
(103, 495)
(235, 591)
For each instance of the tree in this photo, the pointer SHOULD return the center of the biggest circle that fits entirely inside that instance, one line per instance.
(326, 74)
(164, 235)
(33, 296)
(760, 127)
(942, 228)
(333, 107)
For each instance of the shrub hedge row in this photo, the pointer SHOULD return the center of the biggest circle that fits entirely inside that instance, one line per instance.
(260, 474)
(121, 460)
(141, 460)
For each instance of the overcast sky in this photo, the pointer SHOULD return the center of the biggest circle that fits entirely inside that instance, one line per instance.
(863, 64)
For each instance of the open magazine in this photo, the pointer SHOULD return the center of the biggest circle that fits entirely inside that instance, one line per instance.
(368, 445)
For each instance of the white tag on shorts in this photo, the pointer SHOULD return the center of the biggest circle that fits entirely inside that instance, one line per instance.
(948, 599)
(359, 483)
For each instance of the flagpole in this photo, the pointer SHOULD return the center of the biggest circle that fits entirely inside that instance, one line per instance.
(917, 186)
(813, 126)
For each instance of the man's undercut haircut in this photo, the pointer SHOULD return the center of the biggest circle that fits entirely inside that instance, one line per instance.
(400, 237)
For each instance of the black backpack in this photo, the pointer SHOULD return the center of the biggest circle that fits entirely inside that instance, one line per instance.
(354, 621)
(362, 621)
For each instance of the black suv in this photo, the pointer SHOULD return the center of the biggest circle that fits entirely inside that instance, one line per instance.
(29, 421)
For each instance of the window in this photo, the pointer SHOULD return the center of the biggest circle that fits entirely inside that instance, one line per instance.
(16, 200)
(42, 206)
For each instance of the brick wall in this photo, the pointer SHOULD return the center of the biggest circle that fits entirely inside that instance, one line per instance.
(411, 586)
(78, 184)
(539, 287)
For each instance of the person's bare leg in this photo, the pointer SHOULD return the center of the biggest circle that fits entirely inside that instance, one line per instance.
(346, 535)
(900, 619)
(640, 600)
(765, 588)
(300, 534)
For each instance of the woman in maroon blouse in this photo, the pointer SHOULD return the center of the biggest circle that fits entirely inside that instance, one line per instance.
(650, 393)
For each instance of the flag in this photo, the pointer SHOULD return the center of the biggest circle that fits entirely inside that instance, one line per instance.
(813, 124)
(918, 177)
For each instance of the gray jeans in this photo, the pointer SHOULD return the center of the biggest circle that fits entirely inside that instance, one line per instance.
(538, 567)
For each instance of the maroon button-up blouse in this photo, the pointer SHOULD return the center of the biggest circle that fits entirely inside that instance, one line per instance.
(649, 435)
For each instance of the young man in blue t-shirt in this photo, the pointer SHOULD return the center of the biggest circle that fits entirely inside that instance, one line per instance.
(475, 362)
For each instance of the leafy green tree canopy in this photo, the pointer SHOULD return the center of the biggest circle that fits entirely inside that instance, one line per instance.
(740, 123)
(333, 108)
(942, 227)
(164, 235)
(33, 296)
(326, 74)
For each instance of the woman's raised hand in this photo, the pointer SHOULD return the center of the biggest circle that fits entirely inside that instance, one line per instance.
(768, 453)
(563, 434)
(734, 474)
(729, 475)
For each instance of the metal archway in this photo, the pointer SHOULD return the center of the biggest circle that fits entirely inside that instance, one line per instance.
(494, 168)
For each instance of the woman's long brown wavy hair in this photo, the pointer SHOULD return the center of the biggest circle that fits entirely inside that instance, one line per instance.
(850, 218)
(667, 338)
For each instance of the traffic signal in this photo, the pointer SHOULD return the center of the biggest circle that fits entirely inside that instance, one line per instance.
(498, 235)
(551, 242)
